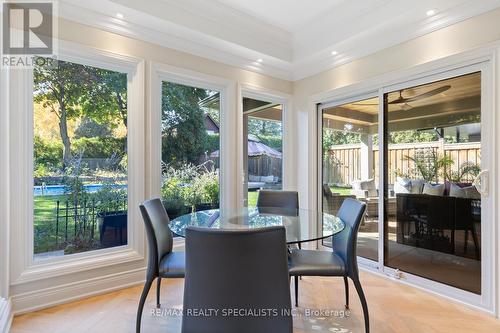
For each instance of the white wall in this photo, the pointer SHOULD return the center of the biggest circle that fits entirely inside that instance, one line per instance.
(456, 39)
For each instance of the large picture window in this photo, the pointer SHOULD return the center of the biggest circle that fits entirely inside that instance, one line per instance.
(190, 120)
(80, 158)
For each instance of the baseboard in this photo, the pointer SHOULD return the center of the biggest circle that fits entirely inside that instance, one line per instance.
(60, 294)
(5, 315)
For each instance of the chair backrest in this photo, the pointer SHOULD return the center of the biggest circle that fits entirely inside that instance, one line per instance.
(344, 243)
(278, 202)
(159, 235)
(236, 270)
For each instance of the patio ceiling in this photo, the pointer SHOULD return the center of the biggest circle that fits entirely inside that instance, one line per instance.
(458, 105)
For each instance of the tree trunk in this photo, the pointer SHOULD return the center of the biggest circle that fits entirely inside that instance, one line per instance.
(122, 108)
(63, 130)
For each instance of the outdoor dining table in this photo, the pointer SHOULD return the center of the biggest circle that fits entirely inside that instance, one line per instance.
(301, 225)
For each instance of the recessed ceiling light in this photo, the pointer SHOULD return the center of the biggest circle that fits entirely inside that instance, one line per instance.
(431, 12)
(260, 60)
(119, 15)
(334, 53)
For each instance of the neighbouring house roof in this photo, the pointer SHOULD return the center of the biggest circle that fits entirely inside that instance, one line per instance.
(210, 124)
(256, 148)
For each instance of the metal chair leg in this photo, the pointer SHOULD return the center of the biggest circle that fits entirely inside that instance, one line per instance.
(296, 290)
(346, 285)
(158, 287)
(144, 295)
(362, 298)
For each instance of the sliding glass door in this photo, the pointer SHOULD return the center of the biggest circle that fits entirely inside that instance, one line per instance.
(417, 153)
(432, 157)
(350, 165)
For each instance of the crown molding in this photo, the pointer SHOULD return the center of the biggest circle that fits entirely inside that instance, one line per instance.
(217, 32)
(181, 39)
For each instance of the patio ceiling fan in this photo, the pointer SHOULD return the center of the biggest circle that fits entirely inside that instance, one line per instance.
(405, 100)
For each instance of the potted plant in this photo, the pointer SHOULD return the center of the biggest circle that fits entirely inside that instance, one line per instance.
(173, 198)
(207, 185)
(110, 204)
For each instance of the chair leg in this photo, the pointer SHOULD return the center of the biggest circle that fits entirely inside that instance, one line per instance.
(346, 285)
(476, 243)
(296, 290)
(299, 245)
(362, 298)
(158, 287)
(144, 295)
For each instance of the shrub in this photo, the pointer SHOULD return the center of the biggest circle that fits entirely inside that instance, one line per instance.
(48, 155)
(100, 147)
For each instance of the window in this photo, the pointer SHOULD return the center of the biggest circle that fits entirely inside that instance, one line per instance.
(80, 158)
(190, 119)
(263, 147)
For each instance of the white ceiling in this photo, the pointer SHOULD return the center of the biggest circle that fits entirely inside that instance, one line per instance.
(289, 15)
(294, 38)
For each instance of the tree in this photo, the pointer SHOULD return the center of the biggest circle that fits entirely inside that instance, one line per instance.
(89, 128)
(260, 127)
(60, 88)
(183, 126)
(72, 91)
(108, 99)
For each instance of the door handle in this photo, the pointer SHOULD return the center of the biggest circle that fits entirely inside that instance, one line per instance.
(482, 183)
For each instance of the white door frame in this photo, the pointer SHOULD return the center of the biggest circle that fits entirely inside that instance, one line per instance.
(478, 60)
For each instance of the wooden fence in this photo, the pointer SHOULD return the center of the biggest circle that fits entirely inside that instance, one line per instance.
(342, 163)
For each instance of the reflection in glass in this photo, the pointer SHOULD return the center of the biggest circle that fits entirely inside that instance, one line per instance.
(433, 155)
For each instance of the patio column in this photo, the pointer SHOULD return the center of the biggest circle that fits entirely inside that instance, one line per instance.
(366, 157)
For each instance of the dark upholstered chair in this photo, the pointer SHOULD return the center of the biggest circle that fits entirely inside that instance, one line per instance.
(341, 262)
(237, 269)
(162, 262)
(278, 202)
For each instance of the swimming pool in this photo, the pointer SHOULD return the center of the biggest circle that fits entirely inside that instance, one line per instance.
(59, 189)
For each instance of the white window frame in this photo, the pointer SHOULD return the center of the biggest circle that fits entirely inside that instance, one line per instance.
(159, 73)
(5, 184)
(246, 90)
(483, 60)
(23, 266)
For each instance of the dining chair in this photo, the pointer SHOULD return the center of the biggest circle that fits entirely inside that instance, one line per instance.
(162, 261)
(236, 270)
(278, 202)
(342, 261)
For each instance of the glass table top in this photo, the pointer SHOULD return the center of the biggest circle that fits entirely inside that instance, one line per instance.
(301, 225)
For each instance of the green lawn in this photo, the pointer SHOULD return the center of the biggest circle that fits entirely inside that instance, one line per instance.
(341, 190)
(45, 209)
(252, 198)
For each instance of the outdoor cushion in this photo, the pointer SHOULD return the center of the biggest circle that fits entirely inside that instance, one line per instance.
(431, 189)
(267, 179)
(402, 185)
(417, 185)
(464, 192)
(253, 178)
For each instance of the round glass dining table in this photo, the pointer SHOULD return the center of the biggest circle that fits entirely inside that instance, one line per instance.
(301, 225)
